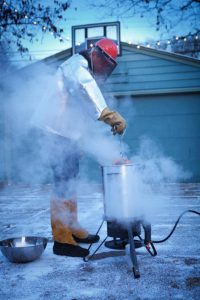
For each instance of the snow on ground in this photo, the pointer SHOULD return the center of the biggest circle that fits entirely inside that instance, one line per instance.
(173, 274)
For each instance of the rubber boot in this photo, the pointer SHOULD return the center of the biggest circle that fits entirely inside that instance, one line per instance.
(76, 229)
(80, 235)
(64, 243)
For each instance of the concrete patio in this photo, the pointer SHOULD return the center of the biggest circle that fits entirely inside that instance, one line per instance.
(173, 274)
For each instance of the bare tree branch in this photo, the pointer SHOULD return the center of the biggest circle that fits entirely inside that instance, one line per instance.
(167, 13)
(19, 20)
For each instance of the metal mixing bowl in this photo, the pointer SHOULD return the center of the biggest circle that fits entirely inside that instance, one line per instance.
(23, 249)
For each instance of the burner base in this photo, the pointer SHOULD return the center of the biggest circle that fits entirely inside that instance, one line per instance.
(119, 244)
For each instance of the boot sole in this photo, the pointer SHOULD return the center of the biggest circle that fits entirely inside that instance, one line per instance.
(72, 251)
(86, 240)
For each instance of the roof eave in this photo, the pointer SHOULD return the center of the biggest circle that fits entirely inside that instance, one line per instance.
(154, 92)
(162, 54)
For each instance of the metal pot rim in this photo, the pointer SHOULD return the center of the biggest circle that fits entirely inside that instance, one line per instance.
(119, 165)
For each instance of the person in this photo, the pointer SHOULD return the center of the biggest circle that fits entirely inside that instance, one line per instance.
(78, 98)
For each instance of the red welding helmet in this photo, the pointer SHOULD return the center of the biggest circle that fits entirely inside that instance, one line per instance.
(103, 56)
(108, 46)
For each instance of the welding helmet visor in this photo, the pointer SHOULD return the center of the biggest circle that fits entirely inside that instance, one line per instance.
(102, 64)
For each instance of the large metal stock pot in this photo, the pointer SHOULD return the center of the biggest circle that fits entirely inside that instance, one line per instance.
(118, 191)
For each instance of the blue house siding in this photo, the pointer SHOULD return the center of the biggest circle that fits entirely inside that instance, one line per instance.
(2, 139)
(159, 95)
(2, 159)
(150, 70)
(172, 122)
(161, 102)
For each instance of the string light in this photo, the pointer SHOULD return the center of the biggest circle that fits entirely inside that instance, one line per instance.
(35, 23)
(26, 17)
(152, 45)
(163, 43)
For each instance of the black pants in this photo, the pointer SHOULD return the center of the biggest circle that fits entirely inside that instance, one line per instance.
(64, 162)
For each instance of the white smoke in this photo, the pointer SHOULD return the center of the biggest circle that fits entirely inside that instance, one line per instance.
(29, 149)
(21, 93)
(157, 167)
(34, 89)
(140, 189)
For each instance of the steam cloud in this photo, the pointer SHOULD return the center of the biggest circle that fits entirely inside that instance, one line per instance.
(25, 92)
(145, 186)
(22, 93)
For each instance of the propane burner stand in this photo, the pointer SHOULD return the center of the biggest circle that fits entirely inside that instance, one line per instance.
(124, 224)
(124, 235)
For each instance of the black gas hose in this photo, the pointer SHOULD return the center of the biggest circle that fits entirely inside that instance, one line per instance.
(175, 225)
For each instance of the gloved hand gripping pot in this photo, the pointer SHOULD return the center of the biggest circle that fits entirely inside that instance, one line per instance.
(114, 119)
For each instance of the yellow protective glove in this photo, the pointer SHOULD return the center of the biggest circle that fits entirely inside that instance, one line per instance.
(114, 119)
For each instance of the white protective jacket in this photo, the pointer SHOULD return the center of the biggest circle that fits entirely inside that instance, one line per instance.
(75, 100)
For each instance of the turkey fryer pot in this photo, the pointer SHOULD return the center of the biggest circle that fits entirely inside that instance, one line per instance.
(117, 194)
(122, 225)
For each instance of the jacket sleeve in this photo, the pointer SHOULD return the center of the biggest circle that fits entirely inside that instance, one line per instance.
(63, 93)
(78, 71)
(91, 89)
